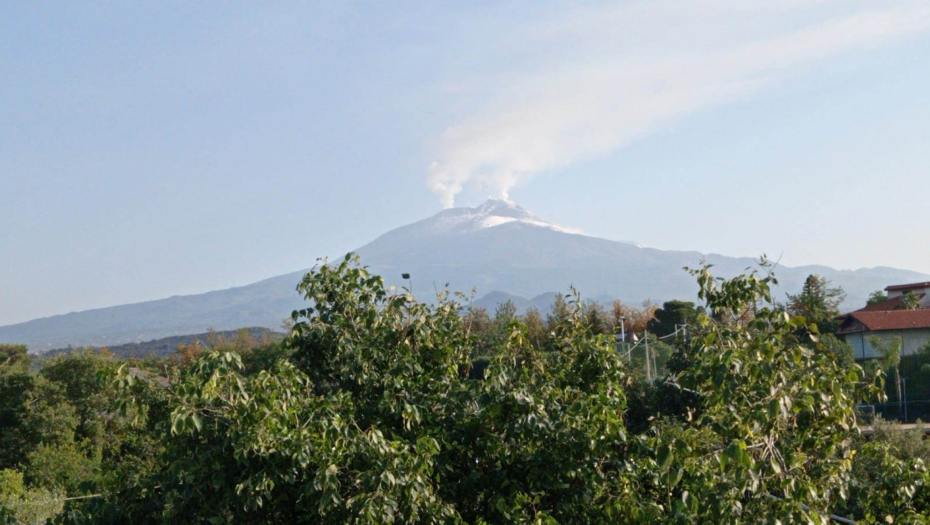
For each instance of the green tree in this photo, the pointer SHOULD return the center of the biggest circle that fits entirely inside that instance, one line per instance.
(478, 324)
(65, 467)
(76, 373)
(818, 303)
(887, 487)
(910, 301)
(504, 315)
(672, 315)
(839, 349)
(922, 356)
(14, 359)
(595, 318)
(65, 431)
(768, 444)
(559, 313)
(372, 420)
(20, 505)
(876, 297)
(535, 327)
(890, 478)
(34, 412)
(891, 360)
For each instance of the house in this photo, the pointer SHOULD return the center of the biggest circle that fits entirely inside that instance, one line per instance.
(896, 295)
(887, 319)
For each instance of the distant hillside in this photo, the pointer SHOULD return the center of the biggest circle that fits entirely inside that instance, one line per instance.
(490, 301)
(265, 303)
(167, 346)
(495, 247)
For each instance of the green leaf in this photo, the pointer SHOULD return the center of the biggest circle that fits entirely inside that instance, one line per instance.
(663, 456)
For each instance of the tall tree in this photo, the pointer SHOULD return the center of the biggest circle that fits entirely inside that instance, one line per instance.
(672, 315)
(595, 318)
(818, 303)
(535, 327)
(559, 313)
(477, 322)
(505, 313)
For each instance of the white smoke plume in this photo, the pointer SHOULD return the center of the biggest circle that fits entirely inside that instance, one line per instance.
(600, 79)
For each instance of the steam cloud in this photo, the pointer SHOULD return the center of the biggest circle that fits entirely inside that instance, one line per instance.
(632, 69)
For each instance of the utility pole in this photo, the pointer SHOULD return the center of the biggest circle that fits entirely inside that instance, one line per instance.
(648, 368)
(901, 408)
(655, 369)
(905, 399)
(623, 333)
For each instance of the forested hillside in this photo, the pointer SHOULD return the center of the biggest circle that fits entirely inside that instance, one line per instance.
(168, 346)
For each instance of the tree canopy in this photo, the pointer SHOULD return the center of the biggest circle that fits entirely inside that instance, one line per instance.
(13, 359)
(368, 413)
(671, 316)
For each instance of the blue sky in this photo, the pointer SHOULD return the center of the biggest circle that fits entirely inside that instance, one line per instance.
(174, 148)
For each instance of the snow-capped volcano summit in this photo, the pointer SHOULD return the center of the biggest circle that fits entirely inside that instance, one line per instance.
(500, 246)
(492, 213)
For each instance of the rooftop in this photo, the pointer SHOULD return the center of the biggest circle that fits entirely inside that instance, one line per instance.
(888, 320)
(888, 304)
(912, 286)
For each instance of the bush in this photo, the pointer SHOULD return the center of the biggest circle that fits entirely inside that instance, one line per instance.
(886, 487)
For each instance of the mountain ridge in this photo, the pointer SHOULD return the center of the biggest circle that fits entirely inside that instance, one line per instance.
(495, 247)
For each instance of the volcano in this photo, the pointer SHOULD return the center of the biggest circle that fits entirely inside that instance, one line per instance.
(498, 249)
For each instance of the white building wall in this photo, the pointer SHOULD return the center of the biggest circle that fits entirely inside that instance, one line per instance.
(912, 342)
(895, 293)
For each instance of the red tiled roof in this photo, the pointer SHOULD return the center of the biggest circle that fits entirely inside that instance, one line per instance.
(912, 286)
(888, 304)
(893, 320)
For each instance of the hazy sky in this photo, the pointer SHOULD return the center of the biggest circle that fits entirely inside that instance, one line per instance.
(189, 146)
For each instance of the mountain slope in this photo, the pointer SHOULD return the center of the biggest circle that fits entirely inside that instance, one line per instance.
(262, 304)
(495, 247)
(526, 258)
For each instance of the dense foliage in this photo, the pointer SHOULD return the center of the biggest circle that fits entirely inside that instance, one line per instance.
(370, 412)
